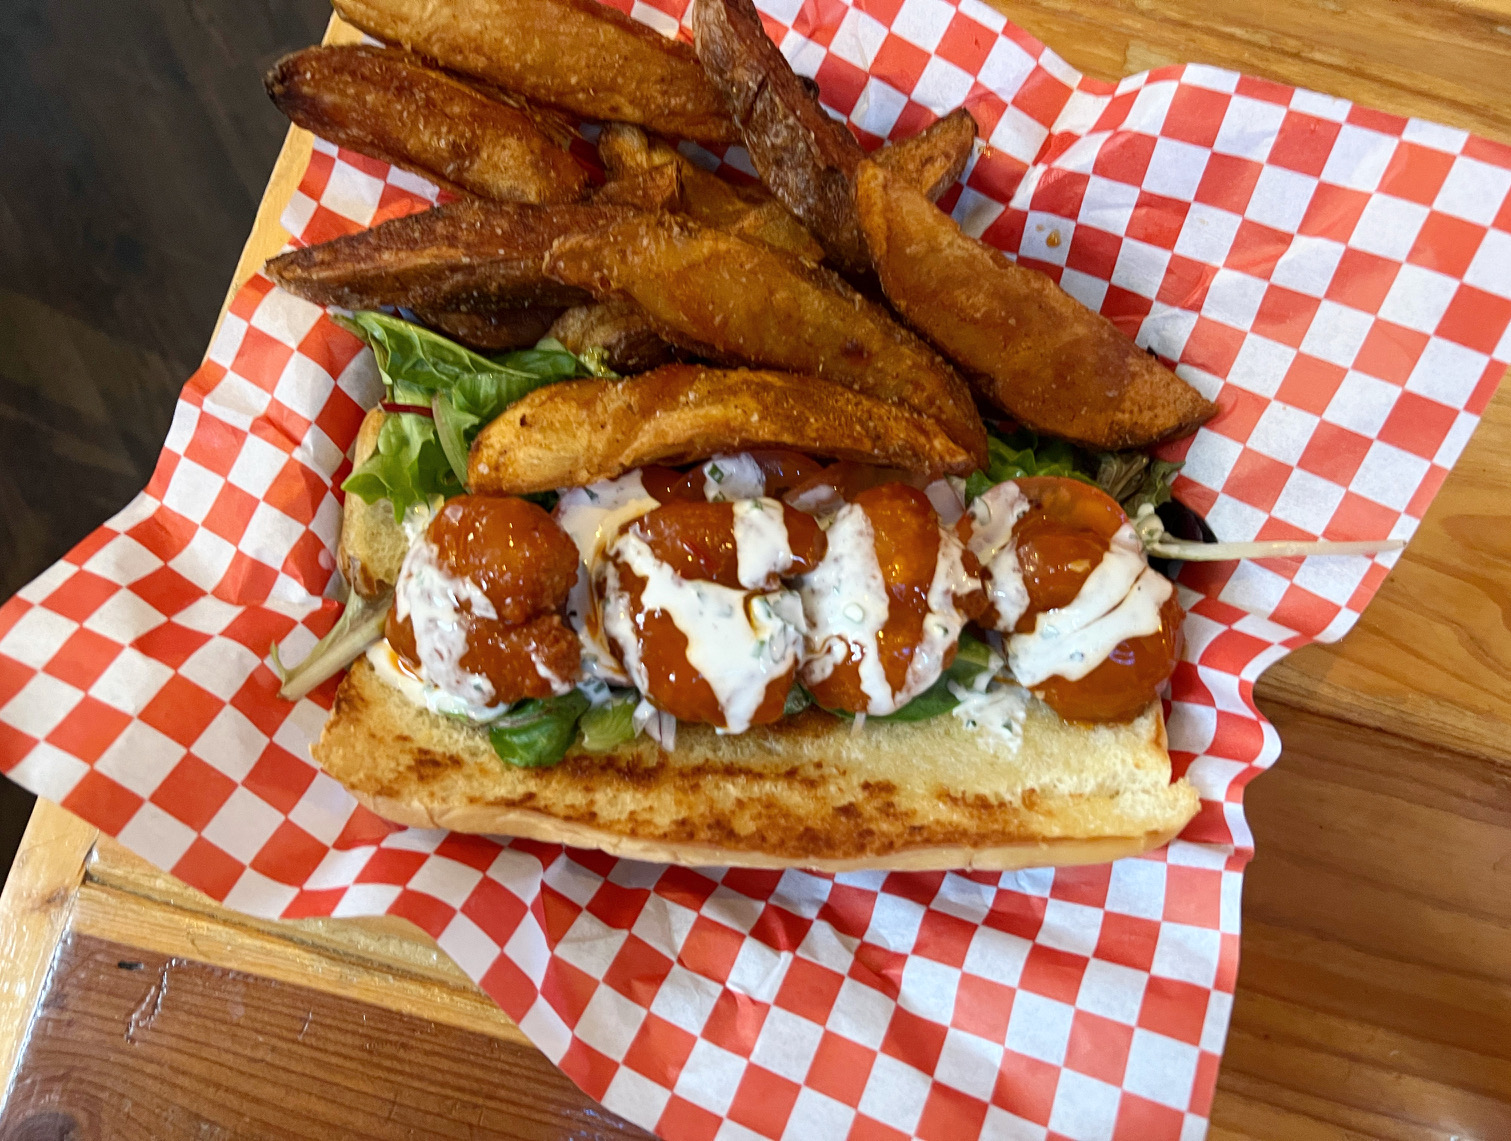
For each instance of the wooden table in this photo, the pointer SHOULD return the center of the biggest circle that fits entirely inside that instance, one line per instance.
(1374, 998)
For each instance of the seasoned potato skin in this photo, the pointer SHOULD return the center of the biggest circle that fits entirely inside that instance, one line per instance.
(494, 331)
(1027, 345)
(749, 211)
(655, 188)
(579, 431)
(472, 256)
(619, 328)
(386, 103)
(579, 55)
(727, 299)
(804, 156)
(933, 159)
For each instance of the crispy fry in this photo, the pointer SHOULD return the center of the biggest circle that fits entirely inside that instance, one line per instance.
(579, 431)
(474, 256)
(804, 156)
(620, 329)
(729, 299)
(387, 104)
(655, 188)
(932, 160)
(1031, 348)
(579, 55)
(494, 331)
(749, 211)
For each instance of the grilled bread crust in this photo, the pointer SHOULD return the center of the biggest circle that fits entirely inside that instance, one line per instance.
(806, 792)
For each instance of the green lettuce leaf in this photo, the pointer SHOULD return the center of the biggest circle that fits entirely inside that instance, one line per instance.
(537, 733)
(422, 456)
(417, 358)
(360, 625)
(408, 467)
(1021, 454)
(606, 727)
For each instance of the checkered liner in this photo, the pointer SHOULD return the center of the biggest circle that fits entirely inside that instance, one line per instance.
(1339, 280)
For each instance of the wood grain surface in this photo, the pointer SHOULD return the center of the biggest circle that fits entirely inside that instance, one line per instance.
(140, 1046)
(1374, 997)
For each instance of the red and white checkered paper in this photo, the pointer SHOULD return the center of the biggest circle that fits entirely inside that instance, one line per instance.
(1338, 279)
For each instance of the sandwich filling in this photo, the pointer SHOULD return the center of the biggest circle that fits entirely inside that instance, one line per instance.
(745, 588)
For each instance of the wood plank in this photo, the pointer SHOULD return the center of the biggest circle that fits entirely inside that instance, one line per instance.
(1440, 60)
(387, 962)
(34, 911)
(135, 1045)
(1374, 988)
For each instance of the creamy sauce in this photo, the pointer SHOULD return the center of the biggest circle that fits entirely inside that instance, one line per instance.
(1120, 599)
(431, 598)
(733, 477)
(998, 710)
(737, 647)
(415, 689)
(762, 547)
(993, 514)
(417, 517)
(943, 623)
(593, 516)
(845, 602)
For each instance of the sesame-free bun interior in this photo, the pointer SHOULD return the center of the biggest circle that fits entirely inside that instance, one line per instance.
(807, 792)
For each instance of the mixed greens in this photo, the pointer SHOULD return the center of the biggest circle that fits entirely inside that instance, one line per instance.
(438, 396)
(1132, 478)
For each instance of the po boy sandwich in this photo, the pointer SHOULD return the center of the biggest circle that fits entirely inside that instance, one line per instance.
(733, 617)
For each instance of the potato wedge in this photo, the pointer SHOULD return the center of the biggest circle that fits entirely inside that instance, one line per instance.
(494, 331)
(1030, 348)
(474, 256)
(579, 55)
(387, 104)
(749, 211)
(802, 155)
(579, 431)
(932, 160)
(725, 298)
(657, 188)
(618, 329)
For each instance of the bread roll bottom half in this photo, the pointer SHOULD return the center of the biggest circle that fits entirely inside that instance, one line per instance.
(807, 792)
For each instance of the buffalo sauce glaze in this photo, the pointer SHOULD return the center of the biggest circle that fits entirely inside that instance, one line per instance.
(886, 606)
(712, 590)
(476, 606)
(691, 599)
(1091, 628)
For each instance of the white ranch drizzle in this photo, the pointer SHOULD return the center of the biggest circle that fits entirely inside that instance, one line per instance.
(993, 514)
(431, 598)
(419, 692)
(737, 643)
(762, 547)
(943, 623)
(592, 516)
(1120, 599)
(845, 601)
(999, 710)
(733, 477)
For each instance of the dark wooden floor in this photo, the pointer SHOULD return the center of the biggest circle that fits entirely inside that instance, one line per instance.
(134, 143)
